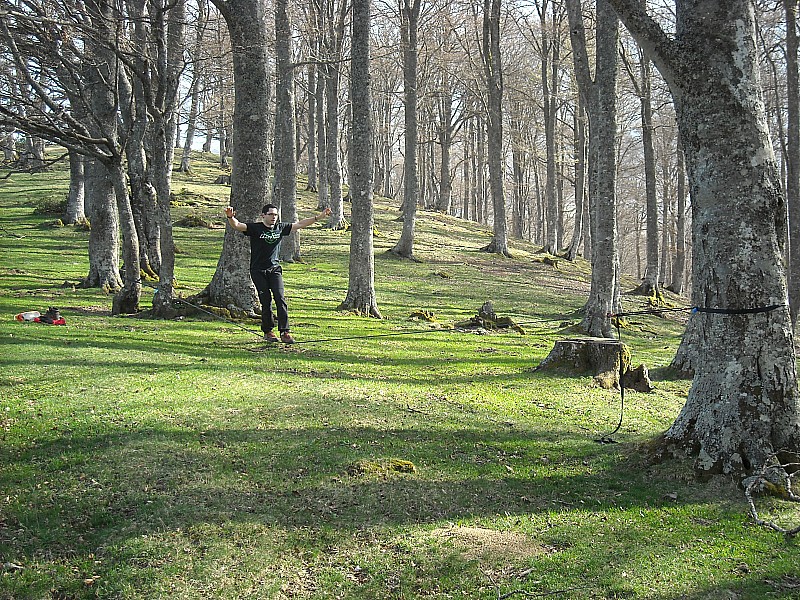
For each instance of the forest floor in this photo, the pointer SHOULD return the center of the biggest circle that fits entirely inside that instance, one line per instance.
(188, 459)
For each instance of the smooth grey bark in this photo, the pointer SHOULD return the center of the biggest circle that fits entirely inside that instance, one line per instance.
(76, 203)
(361, 297)
(250, 183)
(284, 192)
(134, 103)
(600, 99)
(409, 26)
(793, 155)
(579, 187)
(444, 199)
(679, 264)
(469, 173)
(334, 48)
(194, 87)
(133, 109)
(311, 128)
(480, 160)
(493, 73)
(323, 187)
(549, 80)
(743, 407)
(104, 103)
(519, 191)
(643, 88)
(169, 32)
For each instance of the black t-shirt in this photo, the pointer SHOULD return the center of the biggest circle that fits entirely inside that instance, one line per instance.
(264, 244)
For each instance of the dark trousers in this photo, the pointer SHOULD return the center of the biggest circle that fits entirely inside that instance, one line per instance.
(269, 284)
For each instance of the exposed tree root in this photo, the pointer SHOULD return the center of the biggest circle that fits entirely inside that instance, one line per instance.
(774, 479)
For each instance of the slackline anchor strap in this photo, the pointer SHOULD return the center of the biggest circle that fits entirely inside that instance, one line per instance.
(606, 439)
(738, 311)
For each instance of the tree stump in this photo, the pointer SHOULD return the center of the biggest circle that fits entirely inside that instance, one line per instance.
(638, 379)
(599, 356)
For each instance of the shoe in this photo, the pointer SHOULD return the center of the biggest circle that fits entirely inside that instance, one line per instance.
(287, 338)
(270, 337)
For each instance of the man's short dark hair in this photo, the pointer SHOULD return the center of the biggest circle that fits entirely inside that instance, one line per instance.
(266, 208)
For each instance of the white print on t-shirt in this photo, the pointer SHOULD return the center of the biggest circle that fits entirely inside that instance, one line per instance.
(270, 236)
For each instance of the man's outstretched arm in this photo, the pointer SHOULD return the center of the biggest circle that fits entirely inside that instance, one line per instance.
(234, 222)
(310, 220)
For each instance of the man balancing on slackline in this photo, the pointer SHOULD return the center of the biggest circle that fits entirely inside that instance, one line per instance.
(265, 271)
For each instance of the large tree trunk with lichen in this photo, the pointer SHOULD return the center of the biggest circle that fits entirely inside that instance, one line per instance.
(743, 405)
(247, 22)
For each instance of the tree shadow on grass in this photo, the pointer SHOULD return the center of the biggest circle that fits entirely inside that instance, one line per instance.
(297, 478)
(83, 495)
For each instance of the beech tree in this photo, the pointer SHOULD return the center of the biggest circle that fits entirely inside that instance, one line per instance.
(250, 182)
(334, 13)
(361, 285)
(600, 99)
(285, 159)
(493, 74)
(197, 64)
(742, 408)
(409, 26)
(642, 85)
(792, 154)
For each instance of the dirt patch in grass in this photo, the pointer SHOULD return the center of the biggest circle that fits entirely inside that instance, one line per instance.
(489, 544)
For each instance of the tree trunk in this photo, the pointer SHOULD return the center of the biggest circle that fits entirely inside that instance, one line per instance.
(169, 28)
(600, 98)
(104, 240)
(334, 52)
(793, 156)
(409, 21)
(104, 234)
(743, 406)
(285, 190)
(361, 285)
(75, 212)
(444, 199)
(493, 72)
(323, 187)
(247, 22)
(580, 180)
(194, 88)
(679, 265)
(333, 166)
(311, 127)
(8, 146)
(552, 241)
(126, 300)
(519, 195)
(649, 286)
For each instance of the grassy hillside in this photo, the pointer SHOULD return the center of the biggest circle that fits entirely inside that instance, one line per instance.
(186, 459)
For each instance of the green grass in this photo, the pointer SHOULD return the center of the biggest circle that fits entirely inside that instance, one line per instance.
(184, 459)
